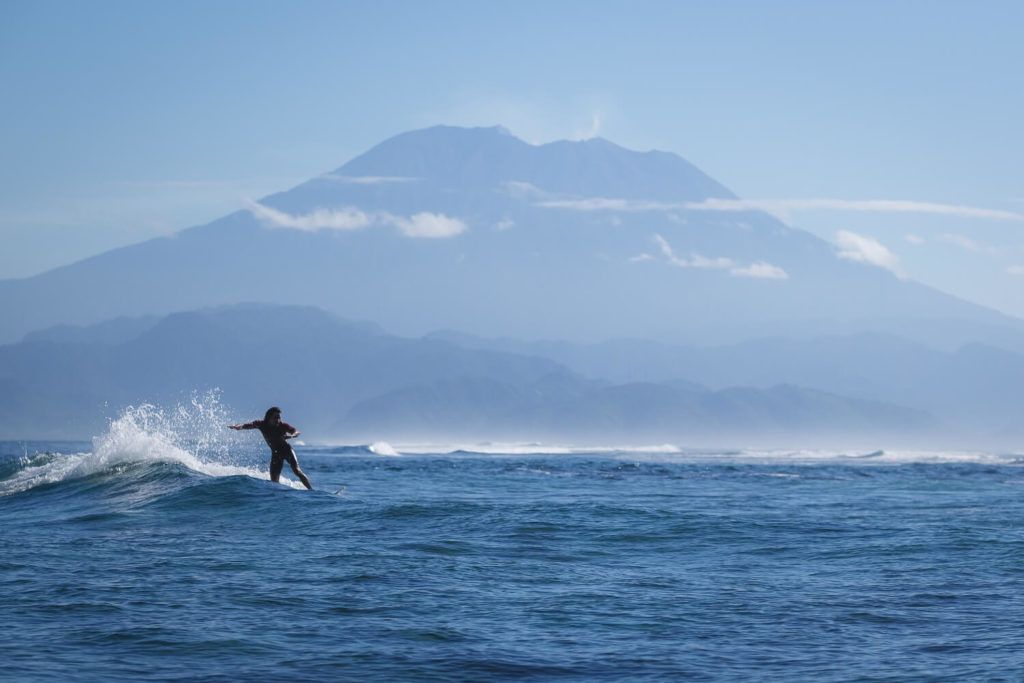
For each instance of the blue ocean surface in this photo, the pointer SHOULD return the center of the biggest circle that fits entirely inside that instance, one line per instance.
(160, 552)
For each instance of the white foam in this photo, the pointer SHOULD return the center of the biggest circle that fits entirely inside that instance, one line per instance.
(383, 448)
(669, 453)
(531, 448)
(192, 435)
(850, 456)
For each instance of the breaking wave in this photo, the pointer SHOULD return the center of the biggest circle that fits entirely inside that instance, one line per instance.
(191, 436)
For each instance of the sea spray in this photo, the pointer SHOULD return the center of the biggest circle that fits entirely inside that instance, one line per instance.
(185, 432)
(192, 434)
(382, 448)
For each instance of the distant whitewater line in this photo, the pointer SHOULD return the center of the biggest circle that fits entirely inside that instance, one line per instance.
(673, 453)
(193, 436)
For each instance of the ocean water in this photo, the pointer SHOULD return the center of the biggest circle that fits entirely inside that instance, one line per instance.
(160, 552)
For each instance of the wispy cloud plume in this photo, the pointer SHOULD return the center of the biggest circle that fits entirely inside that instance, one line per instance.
(965, 243)
(427, 225)
(367, 179)
(759, 269)
(783, 207)
(591, 132)
(519, 189)
(1017, 271)
(420, 225)
(863, 249)
(668, 253)
(719, 263)
(347, 218)
(609, 204)
(786, 206)
(968, 244)
(640, 258)
(237, 186)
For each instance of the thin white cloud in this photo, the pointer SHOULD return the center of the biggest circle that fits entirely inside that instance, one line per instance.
(695, 260)
(347, 218)
(427, 225)
(367, 179)
(520, 189)
(1015, 270)
(504, 224)
(641, 258)
(670, 256)
(424, 224)
(719, 263)
(786, 206)
(179, 184)
(608, 204)
(761, 270)
(863, 249)
(591, 132)
(965, 243)
(916, 240)
(240, 185)
(783, 207)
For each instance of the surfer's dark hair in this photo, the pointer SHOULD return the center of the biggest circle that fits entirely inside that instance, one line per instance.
(271, 411)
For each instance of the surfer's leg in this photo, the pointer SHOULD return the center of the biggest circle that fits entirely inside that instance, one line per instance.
(294, 463)
(276, 464)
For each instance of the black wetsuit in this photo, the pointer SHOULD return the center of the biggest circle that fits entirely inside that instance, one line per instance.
(280, 449)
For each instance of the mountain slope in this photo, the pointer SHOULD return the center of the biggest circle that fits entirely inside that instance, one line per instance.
(258, 355)
(974, 387)
(470, 408)
(476, 230)
(353, 381)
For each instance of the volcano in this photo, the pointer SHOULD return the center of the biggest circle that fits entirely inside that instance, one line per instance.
(476, 230)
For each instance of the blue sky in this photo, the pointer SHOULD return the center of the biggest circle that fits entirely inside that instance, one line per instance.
(126, 120)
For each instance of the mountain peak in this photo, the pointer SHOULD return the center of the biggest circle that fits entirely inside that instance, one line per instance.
(491, 156)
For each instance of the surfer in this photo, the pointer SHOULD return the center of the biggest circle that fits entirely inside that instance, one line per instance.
(276, 433)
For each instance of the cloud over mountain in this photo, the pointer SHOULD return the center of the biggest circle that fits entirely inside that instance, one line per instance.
(864, 249)
(417, 233)
(422, 224)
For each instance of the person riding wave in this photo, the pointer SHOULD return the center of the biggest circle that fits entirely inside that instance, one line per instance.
(276, 433)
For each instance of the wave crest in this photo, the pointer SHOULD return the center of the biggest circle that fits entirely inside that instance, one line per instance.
(191, 434)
